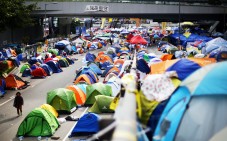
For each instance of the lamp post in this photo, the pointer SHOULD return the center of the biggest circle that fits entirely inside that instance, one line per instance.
(45, 17)
(179, 20)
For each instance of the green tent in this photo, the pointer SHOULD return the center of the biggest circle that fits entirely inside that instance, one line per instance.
(62, 99)
(24, 67)
(97, 89)
(39, 122)
(53, 51)
(102, 104)
(63, 62)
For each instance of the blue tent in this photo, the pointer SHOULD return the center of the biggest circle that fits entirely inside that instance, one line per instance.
(47, 69)
(95, 68)
(82, 86)
(88, 71)
(88, 124)
(26, 72)
(197, 109)
(2, 87)
(184, 68)
(106, 70)
(142, 66)
(54, 66)
(90, 57)
(104, 65)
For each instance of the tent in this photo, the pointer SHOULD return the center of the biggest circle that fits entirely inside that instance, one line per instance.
(142, 66)
(88, 124)
(39, 122)
(63, 100)
(103, 58)
(47, 69)
(13, 81)
(119, 62)
(84, 78)
(2, 87)
(79, 94)
(54, 66)
(138, 40)
(90, 57)
(97, 89)
(183, 67)
(196, 110)
(116, 86)
(39, 73)
(27, 72)
(88, 71)
(109, 70)
(82, 86)
(25, 66)
(95, 68)
(50, 109)
(63, 62)
(102, 104)
(108, 76)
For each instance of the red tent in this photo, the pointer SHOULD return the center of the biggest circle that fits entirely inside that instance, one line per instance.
(129, 37)
(138, 40)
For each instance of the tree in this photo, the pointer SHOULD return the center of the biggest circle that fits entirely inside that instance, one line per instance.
(15, 14)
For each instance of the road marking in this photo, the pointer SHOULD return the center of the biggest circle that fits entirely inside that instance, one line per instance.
(11, 98)
(74, 125)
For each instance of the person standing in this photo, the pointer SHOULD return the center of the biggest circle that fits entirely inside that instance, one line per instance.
(18, 102)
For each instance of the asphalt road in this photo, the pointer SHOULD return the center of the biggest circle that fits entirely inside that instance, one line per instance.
(34, 96)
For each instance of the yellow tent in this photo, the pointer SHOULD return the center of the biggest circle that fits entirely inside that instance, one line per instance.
(49, 108)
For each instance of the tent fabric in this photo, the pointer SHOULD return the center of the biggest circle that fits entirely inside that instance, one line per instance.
(88, 124)
(97, 89)
(95, 68)
(82, 86)
(12, 82)
(39, 72)
(47, 69)
(25, 66)
(158, 87)
(90, 57)
(54, 66)
(63, 100)
(116, 87)
(142, 66)
(39, 122)
(84, 78)
(102, 104)
(103, 58)
(50, 109)
(88, 71)
(165, 57)
(138, 40)
(208, 81)
(63, 62)
(26, 73)
(79, 94)
(183, 67)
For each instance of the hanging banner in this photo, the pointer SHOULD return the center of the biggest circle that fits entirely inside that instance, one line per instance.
(97, 8)
(164, 25)
(103, 23)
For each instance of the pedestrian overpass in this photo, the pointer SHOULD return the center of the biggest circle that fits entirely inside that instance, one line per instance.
(165, 10)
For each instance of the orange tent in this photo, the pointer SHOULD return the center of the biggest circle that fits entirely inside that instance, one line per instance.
(12, 82)
(119, 61)
(183, 67)
(101, 53)
(82, 78)
(114, 69)
(165, 57)
(103, 58)
(79, 94)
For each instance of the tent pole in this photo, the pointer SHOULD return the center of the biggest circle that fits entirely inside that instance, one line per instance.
(126, 128)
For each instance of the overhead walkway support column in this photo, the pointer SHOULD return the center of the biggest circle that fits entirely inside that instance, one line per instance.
(126, 127)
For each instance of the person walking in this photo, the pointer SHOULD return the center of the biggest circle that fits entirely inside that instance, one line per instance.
(18, 102)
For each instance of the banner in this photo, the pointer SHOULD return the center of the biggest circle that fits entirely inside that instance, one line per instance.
(83, 30)
(78, 30)
(103, 23)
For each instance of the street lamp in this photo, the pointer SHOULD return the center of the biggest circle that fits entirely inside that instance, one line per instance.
(45, 17)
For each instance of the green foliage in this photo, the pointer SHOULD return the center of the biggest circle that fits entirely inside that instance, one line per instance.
(15, 14)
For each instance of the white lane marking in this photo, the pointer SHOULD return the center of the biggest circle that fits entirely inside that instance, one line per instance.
(74, 125)
(11, 98)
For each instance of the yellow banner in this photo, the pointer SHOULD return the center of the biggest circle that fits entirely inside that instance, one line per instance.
(103, 23)
(110, 20)
(164, 25)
